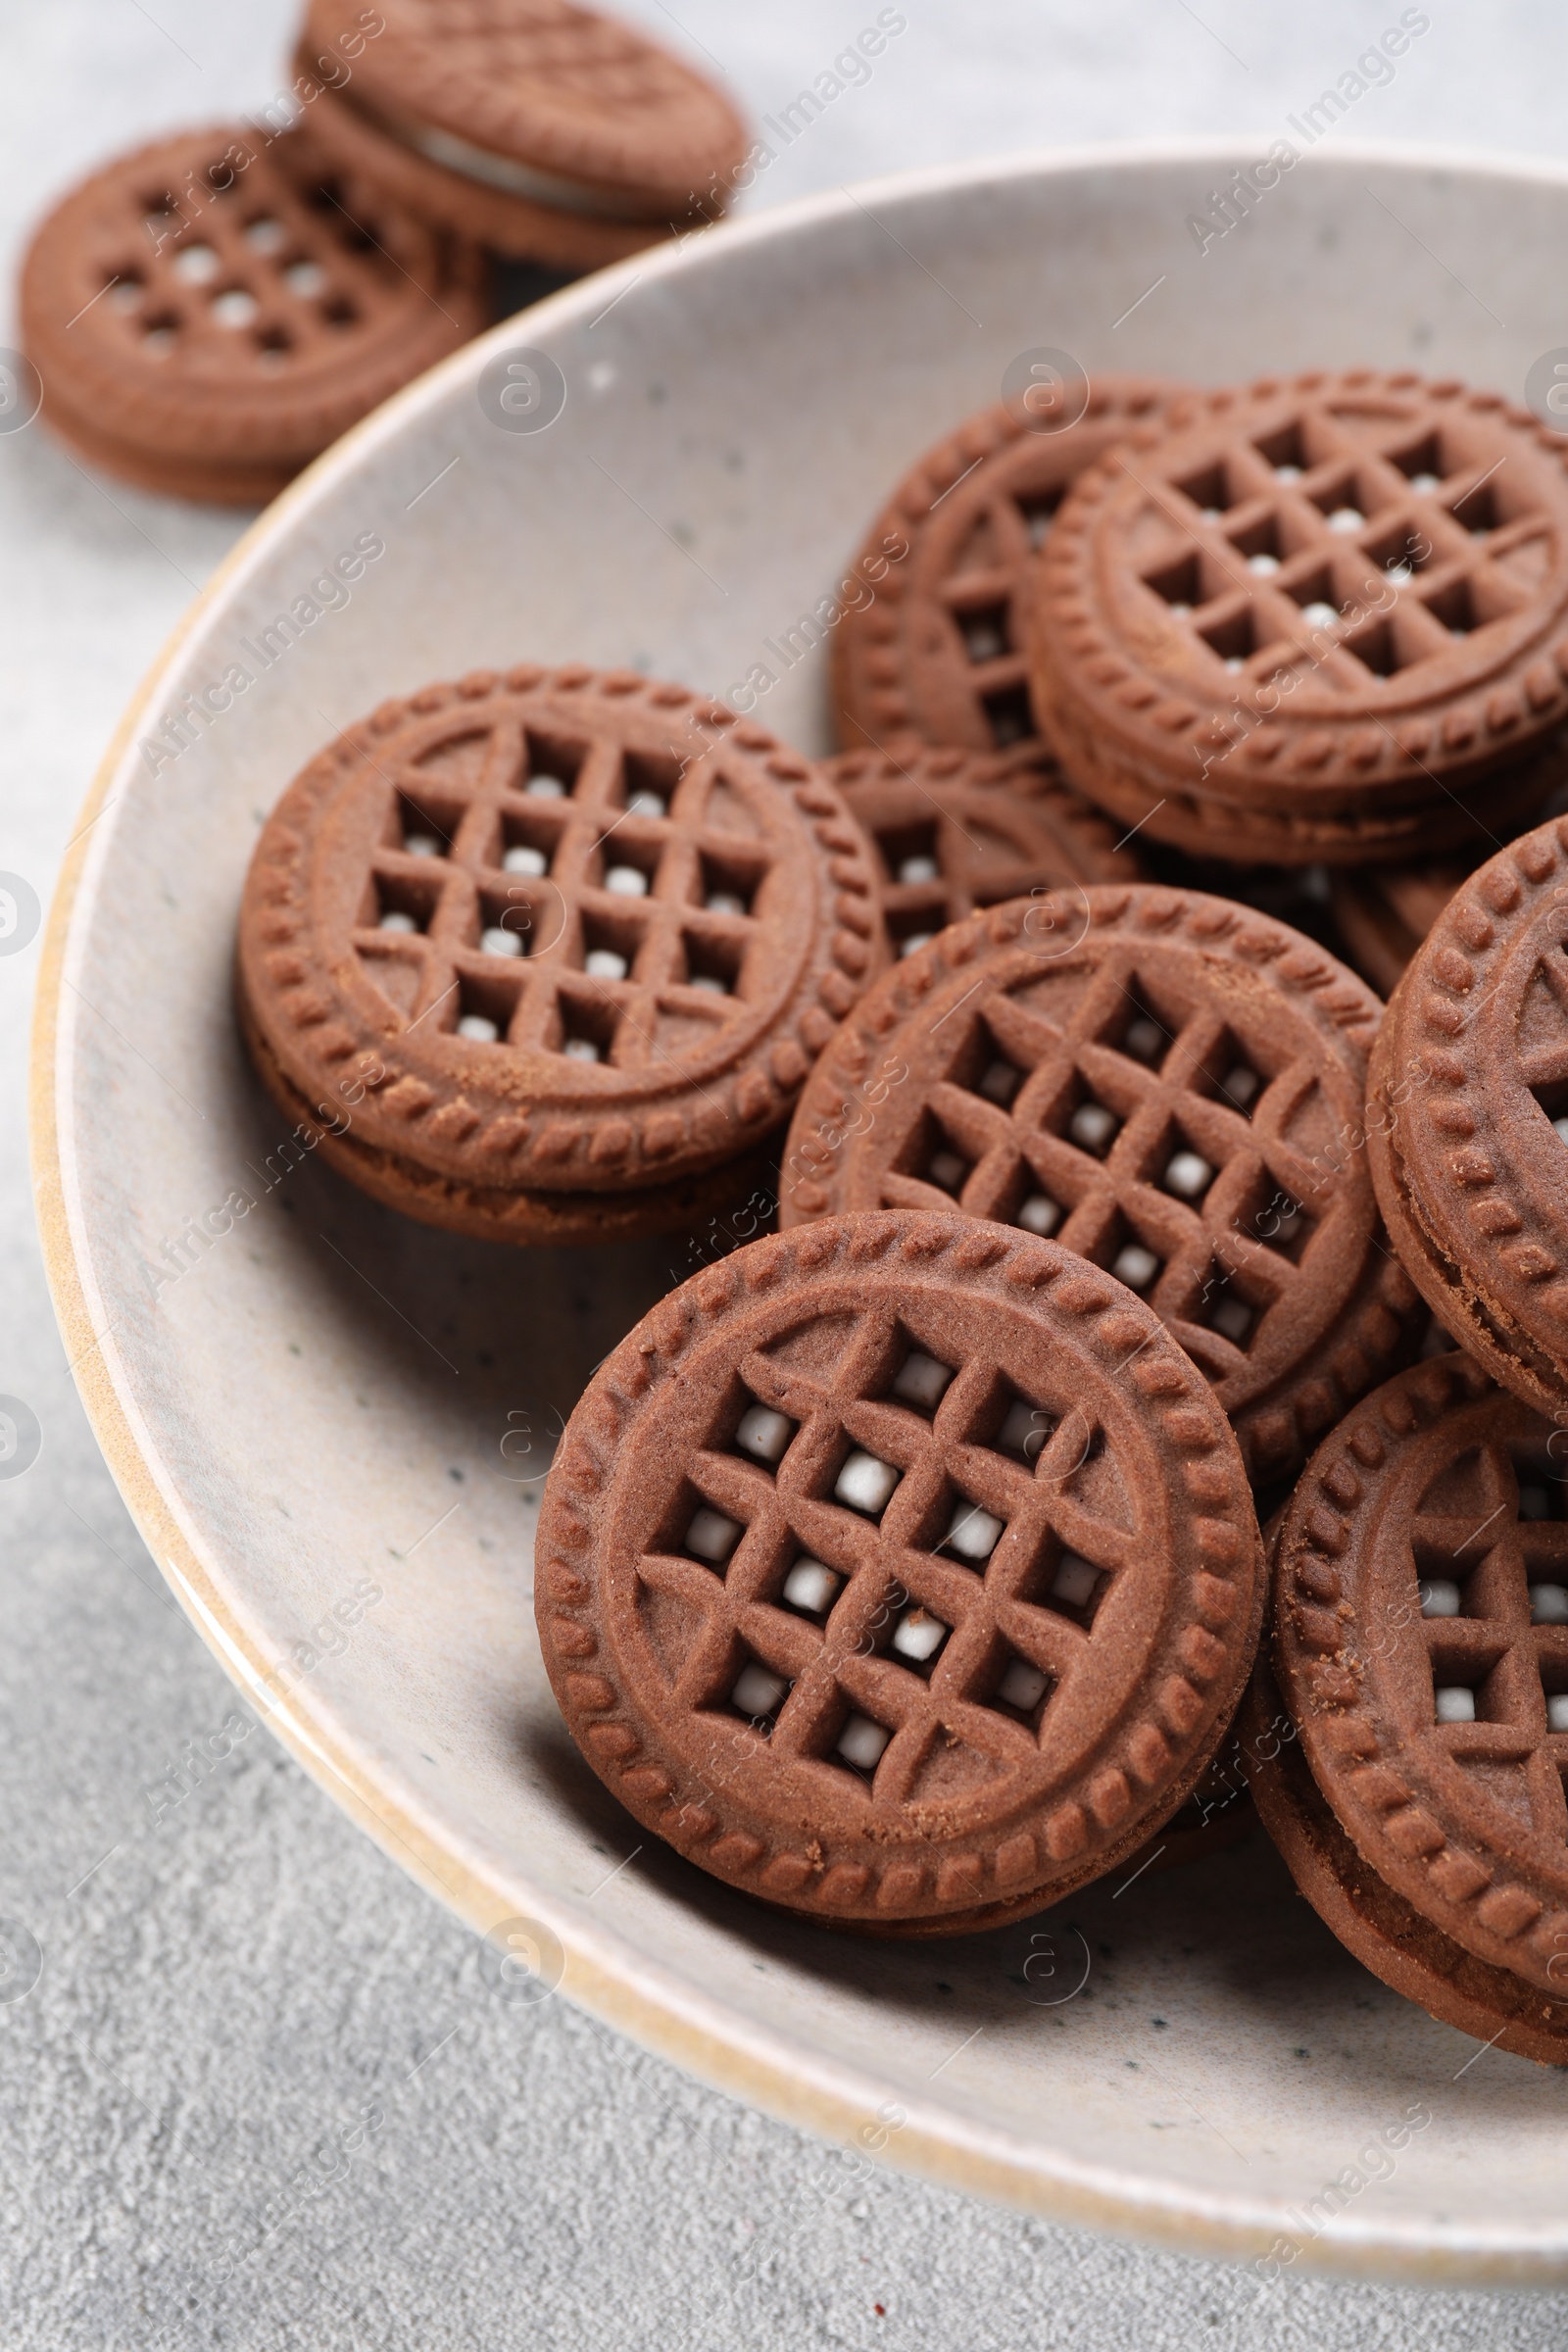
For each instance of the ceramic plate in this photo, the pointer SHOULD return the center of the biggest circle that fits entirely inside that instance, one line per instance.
(308, 1401)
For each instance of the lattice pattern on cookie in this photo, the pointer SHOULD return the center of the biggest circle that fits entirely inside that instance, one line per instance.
(554, 87)
(988, 495)
(565, 868)
(1271, 557)
(1544, 1043)
(887, 1472)
(978, 598)
(558, 891)
(957, 830)
(1493, 1570)
(560, 47)
(896, 1565)
(1143, 1137)
(260, 273)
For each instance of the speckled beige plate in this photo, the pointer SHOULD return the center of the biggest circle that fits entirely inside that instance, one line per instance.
(325, 1394)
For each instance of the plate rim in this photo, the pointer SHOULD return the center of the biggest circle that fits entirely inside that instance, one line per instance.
(635, 1997)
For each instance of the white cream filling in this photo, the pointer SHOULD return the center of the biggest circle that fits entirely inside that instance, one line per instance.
(504, 172)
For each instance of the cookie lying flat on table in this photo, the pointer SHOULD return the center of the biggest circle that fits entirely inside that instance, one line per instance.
(902, 1571)
(938, 655)
(1467, 1124)
(209, 313)
(545, 131)
(1421, 1644)
(580, 935)
(1319, 619)
(1162, 1080)
(955, 830)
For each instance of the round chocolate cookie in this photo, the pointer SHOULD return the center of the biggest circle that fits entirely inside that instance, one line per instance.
(544, 130)
(1467, 1125)
(938, 655)
(901, 1570)
(1386, 1934)
(957, 830)
(578, 934)
(1421, 1642)
(1164, 1082)
(1319, 619)
(209, 313)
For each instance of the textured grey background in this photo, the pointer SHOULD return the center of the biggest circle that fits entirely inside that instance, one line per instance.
(230, 1987)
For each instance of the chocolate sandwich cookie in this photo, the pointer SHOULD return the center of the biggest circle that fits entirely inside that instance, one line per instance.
(580, 935)
(1467, 1122)
(900, 1571)
(938, 654)
(955, 831)
(1165, 1083)
(1421, 1645)
(209, 313)
(1319, 619)
(543, 130)
(1387, 1934)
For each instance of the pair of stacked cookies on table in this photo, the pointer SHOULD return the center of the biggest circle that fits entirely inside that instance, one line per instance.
(905, 1567)
(205, 316)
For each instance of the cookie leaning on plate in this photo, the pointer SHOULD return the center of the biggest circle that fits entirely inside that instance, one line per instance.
(1317, 618)
(584, 932)
(957, 830)
(207, 314)
(1469, 1080)
(1421, 1644)
(900, 1571)
(1386, 1934)
(1163, 1081)
(938, 655)
(543, 130)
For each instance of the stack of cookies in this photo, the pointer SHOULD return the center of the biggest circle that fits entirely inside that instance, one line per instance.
(207, 314)
(1313, 620)
(903, 1568)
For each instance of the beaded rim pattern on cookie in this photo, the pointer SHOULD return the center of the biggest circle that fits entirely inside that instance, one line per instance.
(1470, 1167)
(1387, 1933)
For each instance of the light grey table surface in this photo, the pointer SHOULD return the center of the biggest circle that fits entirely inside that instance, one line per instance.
(222, 1988)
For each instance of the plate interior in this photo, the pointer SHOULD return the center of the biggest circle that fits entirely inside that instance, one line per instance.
(309, 1400)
